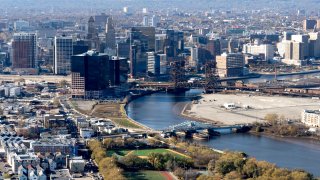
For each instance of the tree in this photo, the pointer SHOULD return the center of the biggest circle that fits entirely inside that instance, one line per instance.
(108, 143)
(133, 161)
(272, 118)
(179, 172)
(63, 83)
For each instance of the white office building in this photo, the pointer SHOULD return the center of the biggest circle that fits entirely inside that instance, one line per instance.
(260, 49)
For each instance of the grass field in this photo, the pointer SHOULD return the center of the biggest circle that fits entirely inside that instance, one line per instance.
(145, 152)
(145, 175)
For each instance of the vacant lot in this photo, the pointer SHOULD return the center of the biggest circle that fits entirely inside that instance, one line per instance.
(108, 110)
(249, 108)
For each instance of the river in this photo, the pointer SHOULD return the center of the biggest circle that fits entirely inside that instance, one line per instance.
(161, 110)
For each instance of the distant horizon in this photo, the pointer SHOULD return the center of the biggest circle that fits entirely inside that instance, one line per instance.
(154, 4)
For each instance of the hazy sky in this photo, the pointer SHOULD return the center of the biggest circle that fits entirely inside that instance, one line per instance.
(189, 4)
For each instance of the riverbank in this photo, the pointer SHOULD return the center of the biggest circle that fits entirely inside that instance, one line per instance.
(288, 74)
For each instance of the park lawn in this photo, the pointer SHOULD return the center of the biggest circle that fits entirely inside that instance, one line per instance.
(118, 152)
(145, 175)
(145, 152)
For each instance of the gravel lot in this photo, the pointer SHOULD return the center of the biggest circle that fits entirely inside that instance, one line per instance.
(211, 107)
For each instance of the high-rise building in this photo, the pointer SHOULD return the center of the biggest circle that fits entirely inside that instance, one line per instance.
(153, 63)
(160, 42)
(214, 47)
(80, 47)
(314, 44)
(163, 64)
(110, 35)
(63, 50)
(24, 50)
(101, 21)
(174, 43)
(309, 24)
(90, 73)
(298, 51)
(145, 21)
(230, 65)
(304, 39)
(138, 60)
(154, 21)
(146, 35)
(123, 49)
(193, 60)
(92, 35)
(267, 50)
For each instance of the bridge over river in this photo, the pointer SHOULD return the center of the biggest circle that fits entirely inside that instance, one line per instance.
(193, 126)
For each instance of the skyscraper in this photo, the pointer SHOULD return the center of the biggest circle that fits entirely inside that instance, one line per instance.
(153, 63)
(63, 50)
(110, 35)
(90, 75)
(145, 35)
(92, 35)
(214, 47)
(24, 50)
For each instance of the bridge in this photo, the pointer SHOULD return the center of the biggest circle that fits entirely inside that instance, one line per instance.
(197, 126)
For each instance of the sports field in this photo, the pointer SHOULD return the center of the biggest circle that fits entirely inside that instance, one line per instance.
(148, 175)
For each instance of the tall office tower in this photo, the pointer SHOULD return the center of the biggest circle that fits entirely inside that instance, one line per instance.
(145, 21)
(101, 21)
(298, 51)
(63, 50)
(153, 63)
(287, 50)
(24, 50)
(214, 47)
(304, 39)
(314, 44)
(174, 44)
(138, 60)
(233, 45)
(267, 50)
(142, 40)
(309, 24)
(230, 65)
(160, 42)
(154, 21)
(90, 75)
(110, 35)
(123, 49)
(114, 71)
(145, 35)
(194, 60)
(80, 47)
(92, 35)
(163, 64)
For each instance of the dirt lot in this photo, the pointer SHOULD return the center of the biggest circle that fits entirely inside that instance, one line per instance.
(249, 108)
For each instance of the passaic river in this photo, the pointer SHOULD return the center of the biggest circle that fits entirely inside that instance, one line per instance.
(161, 110)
